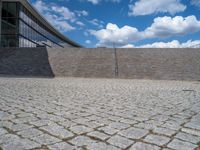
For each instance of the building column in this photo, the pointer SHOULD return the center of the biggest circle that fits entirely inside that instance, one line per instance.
(0, 19)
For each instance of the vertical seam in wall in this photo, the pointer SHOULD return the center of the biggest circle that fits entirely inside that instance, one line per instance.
(116, 63)
(0, 20)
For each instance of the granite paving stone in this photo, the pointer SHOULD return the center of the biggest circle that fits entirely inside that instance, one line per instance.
(98, 114)
(98, 135)
(193, 125)
(118, 125)
(80, 129)
(82, 141)
(178, 144)
(41, 123)
(191, 131)
(108, 130)
(61, 146)
(45, 139)
(188, 137)
(144, 146)
(29, 133)
(20, 127)
(120, 141)
(20, 144)
(3, 131)
(157, 139)
(8, 138)
(164, 131)
(134, 133)
(58, 131)
(101, 146)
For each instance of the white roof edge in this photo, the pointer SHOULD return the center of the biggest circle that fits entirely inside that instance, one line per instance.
(44, 21)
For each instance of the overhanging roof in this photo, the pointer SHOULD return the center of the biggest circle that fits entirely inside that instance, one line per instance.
(44, 21)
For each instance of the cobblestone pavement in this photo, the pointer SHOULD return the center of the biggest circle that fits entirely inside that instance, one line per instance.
(99, 114)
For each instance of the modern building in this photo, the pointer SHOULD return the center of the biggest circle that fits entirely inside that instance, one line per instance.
(22, 26)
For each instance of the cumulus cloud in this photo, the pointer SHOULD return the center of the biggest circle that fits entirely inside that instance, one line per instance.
(172, 44)
(168, 26)
(115, 35)
(147, 7)
(162, 27)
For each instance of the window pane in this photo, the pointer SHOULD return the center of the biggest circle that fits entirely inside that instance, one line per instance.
(12, 11)
(4, 10)
(9, 41)
(3, 41)
(9, 26)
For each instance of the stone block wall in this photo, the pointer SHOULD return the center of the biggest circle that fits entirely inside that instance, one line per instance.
(161, 64)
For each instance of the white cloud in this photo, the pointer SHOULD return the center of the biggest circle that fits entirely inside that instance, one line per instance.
(128, 46)
(98, 1)
(172, 44)
(81, 13)
(94, 1)
(97, 23)
(56, 15)
(80, 23)
(115, 35)
(64, 12)
(60, 16)
(60, 24)
(147, 7)
(195, 2)
(88, 42)
(167, 26)
(162, 27)
(40, 6)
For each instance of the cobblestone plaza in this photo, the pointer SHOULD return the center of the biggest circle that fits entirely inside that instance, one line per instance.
(99, 114)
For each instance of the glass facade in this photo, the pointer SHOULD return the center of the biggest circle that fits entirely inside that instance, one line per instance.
(19, 28)
(9, 25)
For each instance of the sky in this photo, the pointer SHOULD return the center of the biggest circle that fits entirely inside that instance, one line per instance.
(125, 23)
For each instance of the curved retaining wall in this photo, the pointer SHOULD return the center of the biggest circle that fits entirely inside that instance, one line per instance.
(82, 62)
(164, 64)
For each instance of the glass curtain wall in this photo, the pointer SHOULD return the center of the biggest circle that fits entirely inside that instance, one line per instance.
(21, 29)
(9, 25)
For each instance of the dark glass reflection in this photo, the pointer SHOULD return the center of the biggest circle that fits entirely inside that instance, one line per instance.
(9, 41)
(21, 29)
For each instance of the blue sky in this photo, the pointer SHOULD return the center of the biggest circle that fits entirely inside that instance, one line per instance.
(125, 23)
